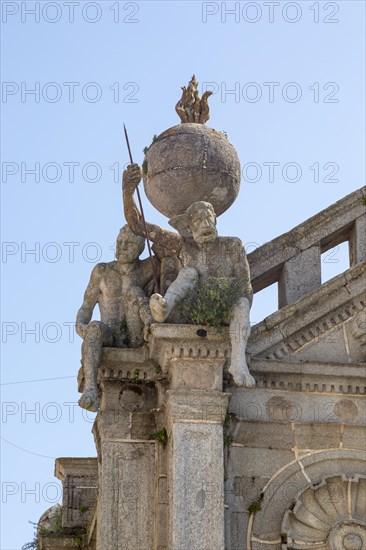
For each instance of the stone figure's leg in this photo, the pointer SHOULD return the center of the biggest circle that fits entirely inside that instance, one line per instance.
(138, 315)
(97, 335)
(239, 334)
(161, 307)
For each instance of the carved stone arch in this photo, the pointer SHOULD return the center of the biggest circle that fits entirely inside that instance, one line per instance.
(284, 489)
(329, 516)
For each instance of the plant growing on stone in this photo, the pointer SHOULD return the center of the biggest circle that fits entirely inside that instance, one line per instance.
(211, 302)
(155, 367)
(79, 541)
(55, 531)
(34, 543)
(161, 435)
(228, 440)
(255, 506)
(144, 166)
(145, 150)
(229, 417)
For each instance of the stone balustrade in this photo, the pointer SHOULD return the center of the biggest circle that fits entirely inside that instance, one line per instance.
(293, 260)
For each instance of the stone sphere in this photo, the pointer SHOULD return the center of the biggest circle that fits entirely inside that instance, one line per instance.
(189, 163)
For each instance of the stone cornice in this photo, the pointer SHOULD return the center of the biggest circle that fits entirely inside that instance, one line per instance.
(125, 364)
(169, 342)
(309, 376)
(75, 467)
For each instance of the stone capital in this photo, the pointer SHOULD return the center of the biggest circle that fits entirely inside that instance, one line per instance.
(197, 407)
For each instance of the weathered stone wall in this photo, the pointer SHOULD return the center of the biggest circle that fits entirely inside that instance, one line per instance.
(285, 442)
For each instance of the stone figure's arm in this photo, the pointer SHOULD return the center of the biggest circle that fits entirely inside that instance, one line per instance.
(167, 239)
(242, 271)
(91, 295)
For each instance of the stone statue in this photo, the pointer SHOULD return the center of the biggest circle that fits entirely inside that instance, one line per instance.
(121, 289)
(202, 254)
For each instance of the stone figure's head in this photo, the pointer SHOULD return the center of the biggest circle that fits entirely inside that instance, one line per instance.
(201, 219)
(129, 246)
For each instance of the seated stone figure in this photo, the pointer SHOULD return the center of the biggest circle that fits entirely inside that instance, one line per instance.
(121, 289)
(202, 254)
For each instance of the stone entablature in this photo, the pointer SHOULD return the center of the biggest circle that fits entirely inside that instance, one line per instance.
(310, 376)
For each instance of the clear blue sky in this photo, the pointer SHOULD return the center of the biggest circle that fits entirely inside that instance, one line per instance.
(297, 72)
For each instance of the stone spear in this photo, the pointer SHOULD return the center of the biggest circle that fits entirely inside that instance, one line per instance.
(143, 218)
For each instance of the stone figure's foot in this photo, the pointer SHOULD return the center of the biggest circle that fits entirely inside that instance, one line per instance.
(136, 342)
(89, 400)
(145, 315)
(242, 376)
(249, 381)
(159, 308)
(146, 333)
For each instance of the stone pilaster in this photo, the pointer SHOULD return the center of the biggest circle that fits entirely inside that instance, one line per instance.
(195, 409)
(127, 452)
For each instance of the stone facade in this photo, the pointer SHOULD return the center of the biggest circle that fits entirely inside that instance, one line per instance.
(189, 461)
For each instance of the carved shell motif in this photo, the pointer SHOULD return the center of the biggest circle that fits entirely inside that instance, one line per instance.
(328, 516)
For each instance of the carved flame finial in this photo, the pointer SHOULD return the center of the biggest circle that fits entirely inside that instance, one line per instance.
(192, 108)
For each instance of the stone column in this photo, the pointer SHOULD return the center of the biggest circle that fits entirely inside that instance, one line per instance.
(195, 406)
(124, 431)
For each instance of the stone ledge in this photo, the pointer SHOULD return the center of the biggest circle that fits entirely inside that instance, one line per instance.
(58, 543)
(75, 467)
(124, 364)
(312, 377)
(181, 352)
